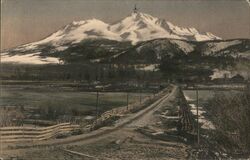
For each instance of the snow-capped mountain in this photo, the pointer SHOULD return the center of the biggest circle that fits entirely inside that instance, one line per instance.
(142, 27)
(152, 38)
(135, 28)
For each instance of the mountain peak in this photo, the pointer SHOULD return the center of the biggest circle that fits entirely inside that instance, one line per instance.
(135, 27)
(140, 26)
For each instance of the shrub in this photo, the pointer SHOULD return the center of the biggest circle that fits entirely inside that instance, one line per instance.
(231, 114)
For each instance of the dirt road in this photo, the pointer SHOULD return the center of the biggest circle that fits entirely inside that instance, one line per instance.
(149, 118)
(121, 141)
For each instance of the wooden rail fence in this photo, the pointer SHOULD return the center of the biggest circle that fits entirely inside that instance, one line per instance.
(18, 134)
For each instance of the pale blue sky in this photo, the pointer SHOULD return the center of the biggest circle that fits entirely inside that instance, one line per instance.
(30, 20)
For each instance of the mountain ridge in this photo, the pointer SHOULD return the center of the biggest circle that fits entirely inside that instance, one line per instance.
(135, 27)
(94, 40)
(98, 50)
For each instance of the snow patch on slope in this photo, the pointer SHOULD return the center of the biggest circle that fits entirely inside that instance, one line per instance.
(221, 74)
(61, 48)
(186, 47)
(33, 58)
(218, 46)
(245, 54)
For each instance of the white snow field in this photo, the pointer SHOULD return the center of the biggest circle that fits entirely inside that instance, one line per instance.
(33, 58)
(218, 46)
(205, 122)
(135, 27)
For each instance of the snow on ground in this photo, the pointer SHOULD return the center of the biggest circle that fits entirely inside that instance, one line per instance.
(244, 54)
(221, 74)
(151, 67)
(218, 46)
(205, 123)
(217, 73)
(186, 47)
(205, 37)
(96, 60)
(93, 28)
(142, 27)
(135, 27)
(188, 98)
(61, 48)
(33, 58)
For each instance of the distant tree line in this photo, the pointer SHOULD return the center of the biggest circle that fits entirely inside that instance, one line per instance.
(78, 72)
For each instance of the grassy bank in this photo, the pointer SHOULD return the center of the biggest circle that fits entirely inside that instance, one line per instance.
(230, 113)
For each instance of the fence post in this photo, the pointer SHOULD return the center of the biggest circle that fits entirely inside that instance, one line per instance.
(197, 111)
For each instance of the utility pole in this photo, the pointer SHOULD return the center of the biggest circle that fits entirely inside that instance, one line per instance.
(127, 100)
(197, 110)
(97, 103)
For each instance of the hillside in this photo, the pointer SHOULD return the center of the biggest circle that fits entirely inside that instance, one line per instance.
(139, 40)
